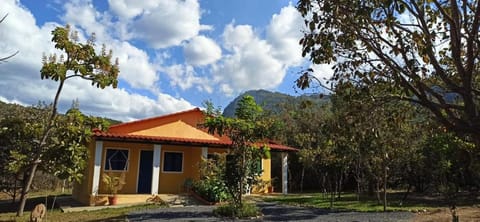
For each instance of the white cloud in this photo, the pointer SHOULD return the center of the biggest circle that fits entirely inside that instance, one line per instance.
(162, 23)
(135, 67)
(323, 72)
(84, 15)
(256, 63)
(127, 9)
(251, 65)
(185, 77)
(20, 77)
(283, 34)
(201, 50)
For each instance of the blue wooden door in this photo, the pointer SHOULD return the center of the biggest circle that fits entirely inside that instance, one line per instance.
(145, 172)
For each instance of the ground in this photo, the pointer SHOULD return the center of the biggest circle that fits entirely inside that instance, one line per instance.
(471, 213)
(272, 211)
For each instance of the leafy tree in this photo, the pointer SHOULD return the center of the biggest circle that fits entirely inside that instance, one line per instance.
(247, 129)
(66, 152)
(429, 49)
(78, 60)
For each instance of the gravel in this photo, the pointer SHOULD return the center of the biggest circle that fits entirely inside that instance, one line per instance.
(271, 211)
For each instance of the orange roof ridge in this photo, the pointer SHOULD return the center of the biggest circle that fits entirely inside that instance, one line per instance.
(155, 118)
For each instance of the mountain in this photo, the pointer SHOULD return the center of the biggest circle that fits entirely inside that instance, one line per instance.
(6, 108)
(272, 101)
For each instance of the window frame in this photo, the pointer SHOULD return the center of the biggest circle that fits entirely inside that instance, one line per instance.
(127, 161)
(164, 157)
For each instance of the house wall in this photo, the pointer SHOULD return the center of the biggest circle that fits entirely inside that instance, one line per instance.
(169, 182)
(173, 182)
(131, 174)
(83, 188)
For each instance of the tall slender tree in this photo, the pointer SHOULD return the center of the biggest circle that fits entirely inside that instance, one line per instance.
(77, 61)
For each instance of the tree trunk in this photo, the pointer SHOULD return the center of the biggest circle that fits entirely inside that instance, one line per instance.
(332, 194)
(14, 190)
(406, 193)
(377, 191)
(26, 188)
(340, 181)
(301, 179)
(38, 155)
(358, 190)
(385, 188)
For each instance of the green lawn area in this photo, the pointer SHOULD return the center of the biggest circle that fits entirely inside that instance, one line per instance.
(117, 214)
(349, 202)
(8, 211)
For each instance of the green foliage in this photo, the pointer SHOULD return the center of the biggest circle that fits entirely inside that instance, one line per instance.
(65, 154)
(449, 163)
(114, 182)
(77, 60)
(211, 185)
(81, 59)
(427, 52)
(246, 210)
(248, 128)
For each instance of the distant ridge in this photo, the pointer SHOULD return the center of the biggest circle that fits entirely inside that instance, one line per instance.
(271, 101)
(7, 108)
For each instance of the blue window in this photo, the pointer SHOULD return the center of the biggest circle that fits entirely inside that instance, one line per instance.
(172, 162)
(116, 159)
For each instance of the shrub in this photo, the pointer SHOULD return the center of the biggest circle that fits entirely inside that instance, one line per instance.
(211, 190)
(247, 210)
(211, 185)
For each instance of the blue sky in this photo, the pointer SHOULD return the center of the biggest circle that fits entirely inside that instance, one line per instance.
(173, 54)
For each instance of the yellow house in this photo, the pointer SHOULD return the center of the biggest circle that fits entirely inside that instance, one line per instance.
(156, 155)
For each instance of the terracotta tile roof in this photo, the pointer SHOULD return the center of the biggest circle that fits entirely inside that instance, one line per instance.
(142, 138)
(179, 141)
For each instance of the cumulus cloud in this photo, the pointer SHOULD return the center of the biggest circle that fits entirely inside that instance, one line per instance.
(20, 78)
(201, 50)
(135, 67)
(127, 9)
(251, 65)
(185, 77)
(161, 23)
(253, 62)
(283, 34)
(323, 72)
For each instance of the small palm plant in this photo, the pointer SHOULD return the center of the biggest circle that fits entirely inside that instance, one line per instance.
(113, 184)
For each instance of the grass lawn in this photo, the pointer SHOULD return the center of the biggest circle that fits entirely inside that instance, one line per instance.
(8, 211)
(117, 214)
(349, 202)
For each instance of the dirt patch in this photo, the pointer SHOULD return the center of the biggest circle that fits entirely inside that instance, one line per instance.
(444, 215)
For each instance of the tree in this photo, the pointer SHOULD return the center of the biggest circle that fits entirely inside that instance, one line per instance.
(2, 59)
(429, 49)
(247, 129)
(78, 60)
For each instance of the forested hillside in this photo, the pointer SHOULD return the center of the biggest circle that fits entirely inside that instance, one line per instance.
(272, 101)
(6, 108)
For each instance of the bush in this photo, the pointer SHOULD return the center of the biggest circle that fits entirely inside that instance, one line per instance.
(211, 186)
(211, 190)
(247, 210)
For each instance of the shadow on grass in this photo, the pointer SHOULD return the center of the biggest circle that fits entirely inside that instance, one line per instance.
(6, 206)
(348, 202)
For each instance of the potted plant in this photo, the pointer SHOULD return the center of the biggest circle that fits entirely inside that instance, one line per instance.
(113, 184)
(270, 185)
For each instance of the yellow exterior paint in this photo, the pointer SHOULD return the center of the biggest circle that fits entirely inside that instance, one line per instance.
(182, 125)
